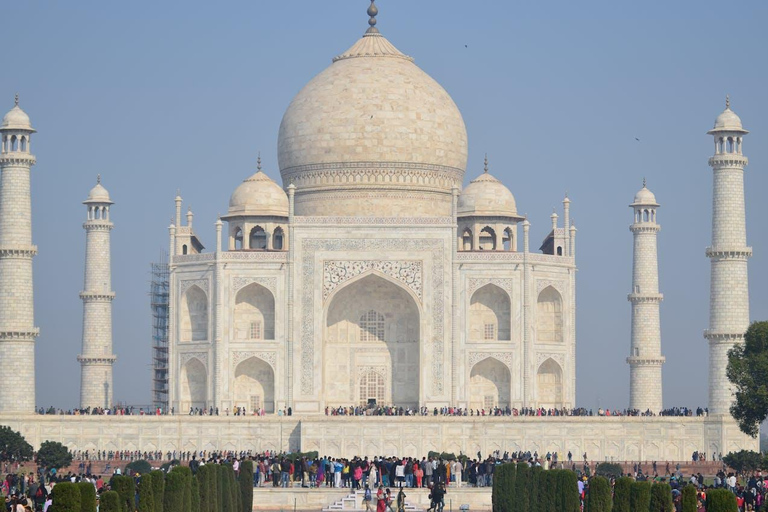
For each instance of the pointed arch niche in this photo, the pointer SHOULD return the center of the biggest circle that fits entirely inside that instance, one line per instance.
(194, 315)
(489, 314)
(194, 385)
(549, 316)
(549, 379)
(490, 384)
(254, 313)
(254, 385)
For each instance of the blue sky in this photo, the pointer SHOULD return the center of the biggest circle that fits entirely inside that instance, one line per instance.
(157, 96)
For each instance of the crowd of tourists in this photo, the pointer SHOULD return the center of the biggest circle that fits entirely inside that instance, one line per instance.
(393, 410)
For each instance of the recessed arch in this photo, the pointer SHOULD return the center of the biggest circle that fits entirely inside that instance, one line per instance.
(238, 239)
(508, 239)
(466, 240)
(487, 239)
(489, 314)
(549, 316)
(257, 239)
(254, 385)
(194, 385)
(490, 384)
(549, 379)
(278, 239)
(254, 316)
(390, 344)
(194, 315)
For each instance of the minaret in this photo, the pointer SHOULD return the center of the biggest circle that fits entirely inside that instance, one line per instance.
(728, 255)
(645, 359)
(96, 359)
(17, 318)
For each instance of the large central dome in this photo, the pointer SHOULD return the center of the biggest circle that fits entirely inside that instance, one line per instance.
(373, 135)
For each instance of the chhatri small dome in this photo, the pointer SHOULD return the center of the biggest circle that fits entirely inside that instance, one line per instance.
(644, 197)
(16, 119)
(98, 194)
(728, 121)
(258, 195)
(369, 130)
(487, 196)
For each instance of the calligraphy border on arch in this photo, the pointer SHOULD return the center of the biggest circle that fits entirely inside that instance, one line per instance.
(186, 285)
(337, 272)
(475, 283)
(184, 357)
(269, 283)
(312, 245)
(238, 356)
(505, 357)
(558, 285)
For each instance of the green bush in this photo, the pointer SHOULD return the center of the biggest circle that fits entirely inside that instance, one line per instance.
(53, 454)
(225, 492)
(126, 490)
(66, 497)
(168, 465)
(721, 500)
(533, 488)
(690, 499)
(218, 489)
(546, 502)
(503, 492)
(599, 495)
(146, 495)
(521, 497)
(640, 496)
(661, 498)
(293, 457)
(621, 494)
(195, 495)
(246, 485)
(109, 502)
(608, 470)
(173, 497)
(204, 485)
(234, 489)
(158, 489)
(141, 467)
(569, 490)
(87, 496)
(186, 473)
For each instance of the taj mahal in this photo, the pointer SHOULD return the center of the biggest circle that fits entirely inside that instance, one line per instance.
(373, 275)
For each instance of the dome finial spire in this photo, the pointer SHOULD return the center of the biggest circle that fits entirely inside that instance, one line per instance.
(16, 100)
(728, 102)
(258, 162)
(372, 12)
(98, 179)
(485, 164)
(644, 182)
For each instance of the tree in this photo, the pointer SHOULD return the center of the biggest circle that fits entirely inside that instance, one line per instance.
(533, 492)
(158, 489)
(545, 492)
(661, 498)
(53, 455)
(146, 495)
(690, 499)
(721, 500)
(195, 495)
(748, 372)
(640, 496)
(599, 496)
(110, 502)
(621, 493)
(246, 485)
(126, 491)
(521, 499)
(141, 467)
(186, 473)
(13, 446)
(503, 490)
(569, 489)
(66, 497)
(87, 496)
(173, 498)
(609, 469)
(204, 484)
(744, 461)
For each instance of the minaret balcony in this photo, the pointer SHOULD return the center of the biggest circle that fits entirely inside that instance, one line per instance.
(646, 361)
(723, 337)
(645, 297)
(17, 158)
(29, 334)
(17, 251)
(729, 253)
(728, 160)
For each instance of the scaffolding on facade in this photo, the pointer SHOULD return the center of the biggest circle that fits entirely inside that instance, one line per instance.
(159, 302)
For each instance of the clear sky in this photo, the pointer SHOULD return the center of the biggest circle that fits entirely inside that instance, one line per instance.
(157, 96)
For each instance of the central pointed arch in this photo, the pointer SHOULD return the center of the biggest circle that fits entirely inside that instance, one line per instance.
(549, 379)
(254, 385)
(489, 314)
(490, 384)
(194, 385)
(372, 324)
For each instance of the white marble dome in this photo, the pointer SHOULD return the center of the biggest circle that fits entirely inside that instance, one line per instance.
(645, 197)
(16, 119)
(486, 196)
(98, 194)
(258, 196)
(373, 125)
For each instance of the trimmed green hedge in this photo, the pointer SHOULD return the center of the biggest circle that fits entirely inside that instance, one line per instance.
(87, 496)
(138, 466)
(533, 493)
(66, 497)
(661, 498)
(503, 487)
(246, 486)
(126, 490)
(173, 498)
(640, 496)
(195, 495)
(146, 495)
(621, 494)
(599, 495)
(109, 502)
(522, 498)
(690, 499)
(158, 489)
(721, 500)
(569, 490)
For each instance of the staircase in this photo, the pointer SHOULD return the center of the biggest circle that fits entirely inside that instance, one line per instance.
(354, 503)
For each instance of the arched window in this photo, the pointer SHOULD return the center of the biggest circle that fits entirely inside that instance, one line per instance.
(549, 313)
(487, 239)
(508, 240)
(645, 215)
(489, 314)
(466, 240)
(14, 143)
(194, 315)
(238, 239)
(559, 250)
(730, 144)
(277, 239)
(372, 387)
(372, 326)
(184, 249)
(254, 313)
(23, 143)
(258, 239)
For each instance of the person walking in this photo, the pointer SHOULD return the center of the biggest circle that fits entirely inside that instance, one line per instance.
(367, 498)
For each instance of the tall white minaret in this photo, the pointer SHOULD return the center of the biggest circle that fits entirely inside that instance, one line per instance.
(17, 316)
(728, 255)
(645, 359)
(96, 359)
